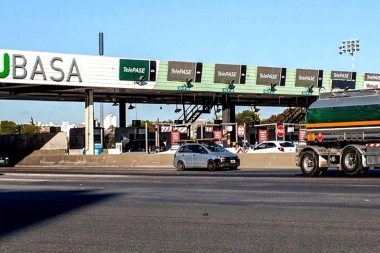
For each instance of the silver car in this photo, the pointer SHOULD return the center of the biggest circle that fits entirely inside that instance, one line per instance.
(210, 156)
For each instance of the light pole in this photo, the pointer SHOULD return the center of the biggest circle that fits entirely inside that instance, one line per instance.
(101, 52)
(350, 47)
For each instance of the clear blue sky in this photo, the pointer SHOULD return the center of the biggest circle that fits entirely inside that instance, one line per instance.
(292, 34)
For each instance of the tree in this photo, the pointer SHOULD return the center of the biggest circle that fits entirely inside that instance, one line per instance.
(111, 129)
(288, 115)
(170, 121)
(30, 129)
(248, 117)
(8, 127)
(109, 140)
(151, 125)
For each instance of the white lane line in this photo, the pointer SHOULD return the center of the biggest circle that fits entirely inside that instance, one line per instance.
(22, 180)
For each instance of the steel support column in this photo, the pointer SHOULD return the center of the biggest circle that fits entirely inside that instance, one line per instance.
(89, 121)
(228, 115)
(122, 113)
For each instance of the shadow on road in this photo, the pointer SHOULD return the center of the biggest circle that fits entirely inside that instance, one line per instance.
(22, 209)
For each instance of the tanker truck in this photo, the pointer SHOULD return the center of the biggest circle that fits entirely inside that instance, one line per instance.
(342, 131)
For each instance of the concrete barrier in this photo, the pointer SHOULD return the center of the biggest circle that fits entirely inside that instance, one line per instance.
(268, 160)
(263, 160)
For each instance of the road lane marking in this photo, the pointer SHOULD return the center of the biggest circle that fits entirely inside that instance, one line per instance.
(23, 180)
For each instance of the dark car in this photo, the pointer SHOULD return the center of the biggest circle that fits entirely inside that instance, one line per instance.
(4, 160)
(196, 155)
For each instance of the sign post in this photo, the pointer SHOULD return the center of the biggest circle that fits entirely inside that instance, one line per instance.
(245, 133)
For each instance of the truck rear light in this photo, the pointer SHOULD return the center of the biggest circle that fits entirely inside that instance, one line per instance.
(281, 149)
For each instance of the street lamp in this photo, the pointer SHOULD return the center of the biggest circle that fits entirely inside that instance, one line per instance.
(254, 109)
(350, 47)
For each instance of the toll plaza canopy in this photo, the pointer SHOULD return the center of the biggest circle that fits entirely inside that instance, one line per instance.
(197, 86)
(28, 75)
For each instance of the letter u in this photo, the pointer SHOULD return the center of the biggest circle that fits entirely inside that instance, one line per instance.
(5, 71)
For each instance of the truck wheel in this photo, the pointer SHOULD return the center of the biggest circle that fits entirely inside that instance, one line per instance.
(352, 162)
(180, 166)
(211, 166)
(309, 164)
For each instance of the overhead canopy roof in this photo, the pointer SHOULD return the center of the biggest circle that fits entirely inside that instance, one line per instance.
(45, 76)
(21, 91)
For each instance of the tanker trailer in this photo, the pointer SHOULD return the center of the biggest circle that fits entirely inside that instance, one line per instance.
(342, 132)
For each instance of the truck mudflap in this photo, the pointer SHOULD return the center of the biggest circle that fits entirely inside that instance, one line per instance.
(326, 157)
(372, 155)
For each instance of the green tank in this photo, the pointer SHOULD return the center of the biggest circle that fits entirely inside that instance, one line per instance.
(346, 106)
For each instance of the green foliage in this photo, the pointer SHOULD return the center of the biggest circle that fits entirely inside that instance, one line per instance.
(109, 140)
(8, 127)
(248, 117)
(30, 129)
(151, 125)
(110, 129)
(286, 116)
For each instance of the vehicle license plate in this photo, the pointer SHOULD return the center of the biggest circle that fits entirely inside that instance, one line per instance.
(232, 161)
(2, 161)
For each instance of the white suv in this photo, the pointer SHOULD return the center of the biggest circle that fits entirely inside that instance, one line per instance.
(273, 147)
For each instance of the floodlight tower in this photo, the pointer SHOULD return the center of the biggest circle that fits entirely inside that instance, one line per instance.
(350, 46)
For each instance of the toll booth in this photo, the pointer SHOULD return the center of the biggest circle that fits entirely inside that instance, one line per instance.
(77, 139)
(133, 139)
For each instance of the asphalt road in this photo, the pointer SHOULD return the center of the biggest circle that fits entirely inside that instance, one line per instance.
(192, 211)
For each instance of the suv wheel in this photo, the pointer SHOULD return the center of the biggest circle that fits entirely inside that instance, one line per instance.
(180, 166)
(211, 166)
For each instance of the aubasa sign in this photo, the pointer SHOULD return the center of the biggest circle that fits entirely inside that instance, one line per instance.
(20, 67)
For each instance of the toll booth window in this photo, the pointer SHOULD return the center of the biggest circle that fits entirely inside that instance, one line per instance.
(97, 139)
